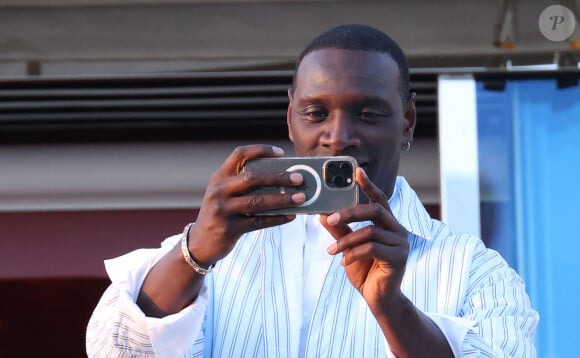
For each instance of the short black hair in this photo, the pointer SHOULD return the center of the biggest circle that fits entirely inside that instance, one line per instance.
(360, 37)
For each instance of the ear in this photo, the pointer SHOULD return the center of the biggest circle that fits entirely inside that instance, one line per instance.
(410, 118)
(289, 114)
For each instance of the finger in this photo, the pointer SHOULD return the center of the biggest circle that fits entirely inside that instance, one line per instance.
(382, 218)
(375, 194)
(257, 222)
(236, 161)
(370, 233)
(243, 183)
(337, 231)
(394, 256)
(374, 212)
(251, 179)
(254, 204)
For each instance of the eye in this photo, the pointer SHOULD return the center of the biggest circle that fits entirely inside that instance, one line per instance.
(371, 116)
(314, 114)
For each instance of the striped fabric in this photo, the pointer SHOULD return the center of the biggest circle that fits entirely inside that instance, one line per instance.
(250, 305)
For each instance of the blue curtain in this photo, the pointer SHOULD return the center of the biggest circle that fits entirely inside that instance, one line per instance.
(529, 158)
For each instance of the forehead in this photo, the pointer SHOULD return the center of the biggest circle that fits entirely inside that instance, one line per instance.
(348, 71)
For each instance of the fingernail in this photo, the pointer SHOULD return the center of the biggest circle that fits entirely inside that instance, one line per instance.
(332, 249)
(277, 150)
(296, 178)
(298, 197)
(333, 219)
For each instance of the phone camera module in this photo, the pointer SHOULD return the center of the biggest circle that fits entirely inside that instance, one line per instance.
(339, 174)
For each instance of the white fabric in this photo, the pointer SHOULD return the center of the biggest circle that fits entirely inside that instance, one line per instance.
(316, 265)
(255, 298)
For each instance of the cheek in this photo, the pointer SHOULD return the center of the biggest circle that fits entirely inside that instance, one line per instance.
(383, 146)
(381, 139)
(305, 140)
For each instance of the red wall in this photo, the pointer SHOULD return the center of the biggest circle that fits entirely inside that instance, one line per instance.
(74, 244)
(52, 274)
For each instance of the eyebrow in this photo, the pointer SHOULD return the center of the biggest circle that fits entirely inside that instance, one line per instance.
(360, 97)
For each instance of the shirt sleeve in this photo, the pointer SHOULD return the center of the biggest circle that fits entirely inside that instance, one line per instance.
(496, 319)
(454, 329)
(118, 327)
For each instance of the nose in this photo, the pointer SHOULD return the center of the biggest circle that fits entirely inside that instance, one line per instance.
(340, 134)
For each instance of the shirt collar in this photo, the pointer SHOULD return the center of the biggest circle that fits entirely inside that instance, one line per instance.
(409, 210)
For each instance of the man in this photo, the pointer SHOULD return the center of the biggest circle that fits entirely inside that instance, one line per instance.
(380, 279)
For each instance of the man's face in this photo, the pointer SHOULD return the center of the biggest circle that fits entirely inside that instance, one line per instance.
(348, 102)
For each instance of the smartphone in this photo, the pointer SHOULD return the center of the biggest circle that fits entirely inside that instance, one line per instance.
(329, 182)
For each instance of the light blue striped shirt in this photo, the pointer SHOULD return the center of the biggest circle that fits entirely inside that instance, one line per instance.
(251, 304)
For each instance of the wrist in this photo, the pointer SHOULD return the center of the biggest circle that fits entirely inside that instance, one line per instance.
(393, 305)
(197, 266)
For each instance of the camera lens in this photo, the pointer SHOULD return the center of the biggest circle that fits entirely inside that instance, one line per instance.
(333, 167)
(338, 181)
(345, 167)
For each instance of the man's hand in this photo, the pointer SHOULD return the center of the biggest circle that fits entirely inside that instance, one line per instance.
(225, 214)
(227, 209)
(374, 256)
